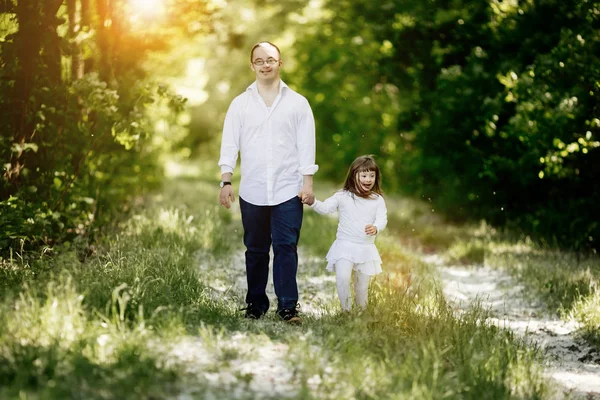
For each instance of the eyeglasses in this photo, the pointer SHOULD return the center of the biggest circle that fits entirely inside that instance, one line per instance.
(270, 61)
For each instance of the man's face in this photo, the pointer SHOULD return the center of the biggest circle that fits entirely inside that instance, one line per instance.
(268, 56)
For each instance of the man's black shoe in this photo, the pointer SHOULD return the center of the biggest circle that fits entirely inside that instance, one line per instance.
(253, 312)
(290, 315)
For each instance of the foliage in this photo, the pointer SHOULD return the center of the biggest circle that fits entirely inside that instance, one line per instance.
(84, 164)
(491, 107)
(77, 142)
(338, 71)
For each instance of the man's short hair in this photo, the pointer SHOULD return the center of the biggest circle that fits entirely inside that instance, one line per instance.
(261, 44)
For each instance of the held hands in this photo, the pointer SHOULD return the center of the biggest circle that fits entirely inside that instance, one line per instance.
(371, 230)
(307, 198)
(226, 196)
(306, 194)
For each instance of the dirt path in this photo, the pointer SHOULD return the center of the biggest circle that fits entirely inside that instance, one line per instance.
(572, 364)
(262, 368)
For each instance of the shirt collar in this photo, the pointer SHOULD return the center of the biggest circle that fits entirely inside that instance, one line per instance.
(253, 87)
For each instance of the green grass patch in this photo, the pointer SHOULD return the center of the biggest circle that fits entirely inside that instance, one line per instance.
(566, 282)
(51, 348)
(587, 311)
(72, 329)
(405, 346)
(559, 278)
(467, 252)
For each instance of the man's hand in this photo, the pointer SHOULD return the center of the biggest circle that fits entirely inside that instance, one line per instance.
(227, 196)
(307, 199)
(306, 194)
(371, 230)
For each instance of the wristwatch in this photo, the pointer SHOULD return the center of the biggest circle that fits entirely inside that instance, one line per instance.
(224, 184)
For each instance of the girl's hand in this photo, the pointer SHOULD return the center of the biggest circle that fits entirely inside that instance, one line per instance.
(371, 230)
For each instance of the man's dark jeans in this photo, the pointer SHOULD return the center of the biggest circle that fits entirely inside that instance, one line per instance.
(279, 225)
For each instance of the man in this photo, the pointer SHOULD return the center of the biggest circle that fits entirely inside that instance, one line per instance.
(272, 127)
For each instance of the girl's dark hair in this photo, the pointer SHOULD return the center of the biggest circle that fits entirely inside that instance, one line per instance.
(263, 43)
(364, 163)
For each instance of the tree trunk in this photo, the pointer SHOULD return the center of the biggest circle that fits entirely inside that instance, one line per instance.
(28, 46)
(73, 29)
(51, 54)
(7, 7)
(38, 52)
(88, 63)
(104, 21)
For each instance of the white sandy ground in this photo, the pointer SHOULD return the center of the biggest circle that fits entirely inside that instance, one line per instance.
(259, 368)
(262, 374)
(572, 364)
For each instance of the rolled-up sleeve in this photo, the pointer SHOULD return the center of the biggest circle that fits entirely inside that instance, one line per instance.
(305, 131)
(381, 215)
(230, 141)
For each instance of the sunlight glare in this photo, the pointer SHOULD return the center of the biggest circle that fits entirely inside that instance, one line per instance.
(147, 8)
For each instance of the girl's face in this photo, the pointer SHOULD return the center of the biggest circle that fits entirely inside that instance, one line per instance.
(366, 180)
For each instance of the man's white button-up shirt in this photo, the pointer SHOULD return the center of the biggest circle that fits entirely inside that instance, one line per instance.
(276, 144)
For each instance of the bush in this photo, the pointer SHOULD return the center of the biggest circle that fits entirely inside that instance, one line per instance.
(91, 159)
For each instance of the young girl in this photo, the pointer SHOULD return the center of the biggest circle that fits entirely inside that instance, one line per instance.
(362, 215)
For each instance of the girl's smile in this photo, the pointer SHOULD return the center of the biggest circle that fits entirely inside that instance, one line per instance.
(367, 180)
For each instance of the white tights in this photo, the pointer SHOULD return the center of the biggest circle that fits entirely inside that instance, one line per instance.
(343, 273)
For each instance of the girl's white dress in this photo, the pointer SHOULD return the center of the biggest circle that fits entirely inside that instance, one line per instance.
(352, 243)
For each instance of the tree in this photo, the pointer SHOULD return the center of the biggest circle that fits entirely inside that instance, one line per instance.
(496, 105)
(75, 138)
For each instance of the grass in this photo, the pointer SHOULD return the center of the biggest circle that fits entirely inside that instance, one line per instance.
(404, 347)
(568, 283)
(587, 311)
(52, 349)
(154, 314)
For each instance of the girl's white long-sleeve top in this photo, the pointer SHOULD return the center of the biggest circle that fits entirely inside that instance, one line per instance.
(355, 213)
